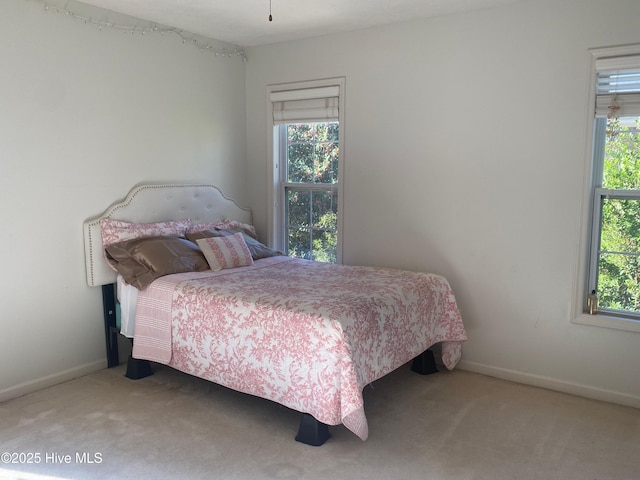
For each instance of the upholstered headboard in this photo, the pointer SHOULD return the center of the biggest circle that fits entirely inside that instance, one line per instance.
(156, 203)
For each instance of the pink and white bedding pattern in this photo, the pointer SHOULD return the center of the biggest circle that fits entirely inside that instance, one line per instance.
(307, 335)
(114, 231)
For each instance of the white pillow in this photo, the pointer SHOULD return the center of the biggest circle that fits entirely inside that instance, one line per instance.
(225, 252)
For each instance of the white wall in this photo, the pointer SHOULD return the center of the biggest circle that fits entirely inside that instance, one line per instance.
(85, 115)
(462, 152)
(465, 151)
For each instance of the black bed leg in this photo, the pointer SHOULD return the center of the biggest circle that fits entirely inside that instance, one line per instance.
(110, 324)
(137, 368)
(425, 363)
(312, 432)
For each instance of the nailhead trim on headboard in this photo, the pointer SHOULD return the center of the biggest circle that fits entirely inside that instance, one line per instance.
(148, 203)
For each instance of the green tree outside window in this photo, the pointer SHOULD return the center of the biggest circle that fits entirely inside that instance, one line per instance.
(311, 199)
(618, 265)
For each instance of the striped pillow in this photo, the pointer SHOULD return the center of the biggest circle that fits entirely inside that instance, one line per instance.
(225, 252)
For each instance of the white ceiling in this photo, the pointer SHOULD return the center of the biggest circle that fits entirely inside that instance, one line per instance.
(245, 22)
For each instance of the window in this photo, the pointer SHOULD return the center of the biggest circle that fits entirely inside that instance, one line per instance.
(614, 265)
(307, 166)
(309, 162)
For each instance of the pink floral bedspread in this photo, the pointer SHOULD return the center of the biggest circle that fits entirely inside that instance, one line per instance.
(307, 335)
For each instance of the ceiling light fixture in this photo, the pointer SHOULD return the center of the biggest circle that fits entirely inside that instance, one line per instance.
(270, 16)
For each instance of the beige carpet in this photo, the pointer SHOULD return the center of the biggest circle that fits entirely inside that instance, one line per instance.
(450, 425)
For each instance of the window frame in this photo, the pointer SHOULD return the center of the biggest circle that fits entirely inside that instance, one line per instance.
(286, 185)
(592, 197)
(599, 196)
(276, 174)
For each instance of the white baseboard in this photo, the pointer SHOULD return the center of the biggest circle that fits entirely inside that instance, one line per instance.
(503, 373)
(552, 384)
(44, 382)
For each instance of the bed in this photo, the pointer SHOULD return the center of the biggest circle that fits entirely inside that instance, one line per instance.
(308, 335)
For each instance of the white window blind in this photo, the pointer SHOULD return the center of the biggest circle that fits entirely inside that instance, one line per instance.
(618, 83)
(305, 105)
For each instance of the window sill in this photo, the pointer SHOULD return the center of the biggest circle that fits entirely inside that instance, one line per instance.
(608, 321)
